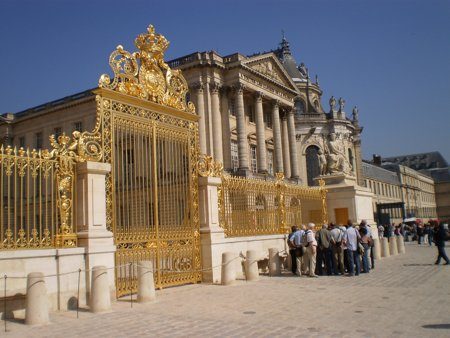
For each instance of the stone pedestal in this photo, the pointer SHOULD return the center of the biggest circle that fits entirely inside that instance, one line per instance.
(376, 248)
(274, 262)
(400, 245)
(393, 246)
(146, 283)
(36, 312)
(228, 268)
(91, 220)
(100, 300)
(251, 266)
(384, 247)
(211, 234)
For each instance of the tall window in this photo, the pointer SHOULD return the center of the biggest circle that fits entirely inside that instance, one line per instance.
(57, 131)
(22, 141)
(234, 156)
(268, 120)
(312, 164)
(232, 107)
(254, 166)
(299, 107)
(39, 140)
(270, 161)
(251, 114)
(78, 126)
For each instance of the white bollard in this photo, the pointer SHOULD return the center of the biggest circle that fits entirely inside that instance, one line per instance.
(146, 283)
(393, 246)
(376, 248)
(228, 268)
(400, 244)
(100, 297)
(274, 262)
(251, 265)
(36, 312)
(385, 247)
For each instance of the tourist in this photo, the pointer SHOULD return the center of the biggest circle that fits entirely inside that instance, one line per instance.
(440, 235)
(337, 249)
(380, 231)
(365, 241)
(352, 239)
(310, 245)
(420, 234)
(324, 256)
(370, 242)
(429, 233)
(296, 250)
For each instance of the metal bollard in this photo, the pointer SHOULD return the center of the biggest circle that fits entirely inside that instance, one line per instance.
(251, 266)
(146, 283)
(400, 244)
(385, 247)
(393, 246)
(228, 268)
(100, 297)
(36, 302)
(274, 262)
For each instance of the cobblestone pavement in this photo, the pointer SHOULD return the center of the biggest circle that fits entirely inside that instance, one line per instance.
(405, 296)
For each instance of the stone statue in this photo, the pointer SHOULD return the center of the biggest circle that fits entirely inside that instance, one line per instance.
(303, 70)
(337, 161)
(332, 103)
(317, 79)
(341, 104)
(322, 162)
(355, 113)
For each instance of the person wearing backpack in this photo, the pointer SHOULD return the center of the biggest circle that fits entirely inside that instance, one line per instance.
(295, 250)
(323, 238)
(337, 249)
(352, 239)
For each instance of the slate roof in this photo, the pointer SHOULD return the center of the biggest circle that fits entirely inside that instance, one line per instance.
(375, 172)
(431, 160)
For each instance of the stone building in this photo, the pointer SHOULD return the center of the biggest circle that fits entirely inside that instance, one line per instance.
(432, 164)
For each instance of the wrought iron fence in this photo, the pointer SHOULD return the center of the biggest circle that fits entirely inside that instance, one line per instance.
(250, 207)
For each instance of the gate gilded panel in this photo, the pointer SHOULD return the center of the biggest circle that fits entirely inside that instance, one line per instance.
(150, 137)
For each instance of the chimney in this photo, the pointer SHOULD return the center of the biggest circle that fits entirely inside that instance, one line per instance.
(377, 160)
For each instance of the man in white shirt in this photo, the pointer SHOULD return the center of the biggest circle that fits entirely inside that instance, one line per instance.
(352, 239)
(311, 245)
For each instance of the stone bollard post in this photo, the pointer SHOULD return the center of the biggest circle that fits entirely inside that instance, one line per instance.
(228, 268)
(400, 244)
(251, 265)
(274, 262)
(100, 297)
(393, 246)
(36, 302)
(146, 283)
(376, 248)
(384, 247)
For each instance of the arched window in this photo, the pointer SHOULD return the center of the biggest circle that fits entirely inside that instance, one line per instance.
(299, 107)
(312, 164)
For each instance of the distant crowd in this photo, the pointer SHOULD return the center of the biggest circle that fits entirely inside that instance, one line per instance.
(348, 250)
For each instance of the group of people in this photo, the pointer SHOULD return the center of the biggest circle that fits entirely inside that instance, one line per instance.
(332, 250)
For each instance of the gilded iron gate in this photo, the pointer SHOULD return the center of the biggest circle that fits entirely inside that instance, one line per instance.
(150, 137)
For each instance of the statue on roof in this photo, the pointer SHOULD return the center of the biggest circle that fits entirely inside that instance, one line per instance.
(303, 70)
(332, 103)
(355, 113)
(341, 104)
(317, 79)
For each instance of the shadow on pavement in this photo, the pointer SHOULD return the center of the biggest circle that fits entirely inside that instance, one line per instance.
(428, 264)
(436, 326)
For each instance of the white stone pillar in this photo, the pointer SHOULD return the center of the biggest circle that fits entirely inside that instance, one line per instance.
(228, 268)
(36, 302)
(216, 122)
(393, 246)
(100, 300)
(241, 129)
(200, 108)
(226, 130)
(260, 134)
(211, 234)
(384, 247)
(401, 244)
(292, 145)
(91, 219)
(277, 137)
(285, 145)
(376, 248)
(274, 262)
(146, 282)
(251, 266)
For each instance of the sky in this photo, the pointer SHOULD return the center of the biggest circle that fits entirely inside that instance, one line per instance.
(391, 58)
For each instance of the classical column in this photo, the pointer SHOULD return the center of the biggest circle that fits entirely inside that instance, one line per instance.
(277, 137)
(226, 130)
(216, 122)
(260, 134)
(285, 146)
(292, 144)
(200, 101)
(241, 128)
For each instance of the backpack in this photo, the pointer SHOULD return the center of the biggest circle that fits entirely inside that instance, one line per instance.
(290, 244)
(304, 239)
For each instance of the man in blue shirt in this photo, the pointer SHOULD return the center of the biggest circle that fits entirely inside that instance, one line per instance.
(295, 239)
(352, 238)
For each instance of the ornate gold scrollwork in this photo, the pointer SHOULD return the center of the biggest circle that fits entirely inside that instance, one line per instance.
(323, 195)
(208, 167)
(67, 152)
(144, 74)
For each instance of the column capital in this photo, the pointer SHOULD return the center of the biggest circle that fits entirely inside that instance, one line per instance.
(214, 87)
(238, 87)
(258, 95)
(224, 90)
(276, 103)
(199, 86)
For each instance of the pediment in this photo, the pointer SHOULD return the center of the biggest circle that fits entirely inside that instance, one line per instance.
(270, 67)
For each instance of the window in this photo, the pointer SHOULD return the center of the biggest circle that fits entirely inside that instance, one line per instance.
(268, 120)
(232, 107)
(270, 162)
(254, 167)
(251, 114)
(22, 141)
(57, 131)
(39, 140)
(78, 126)
(234, 156)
